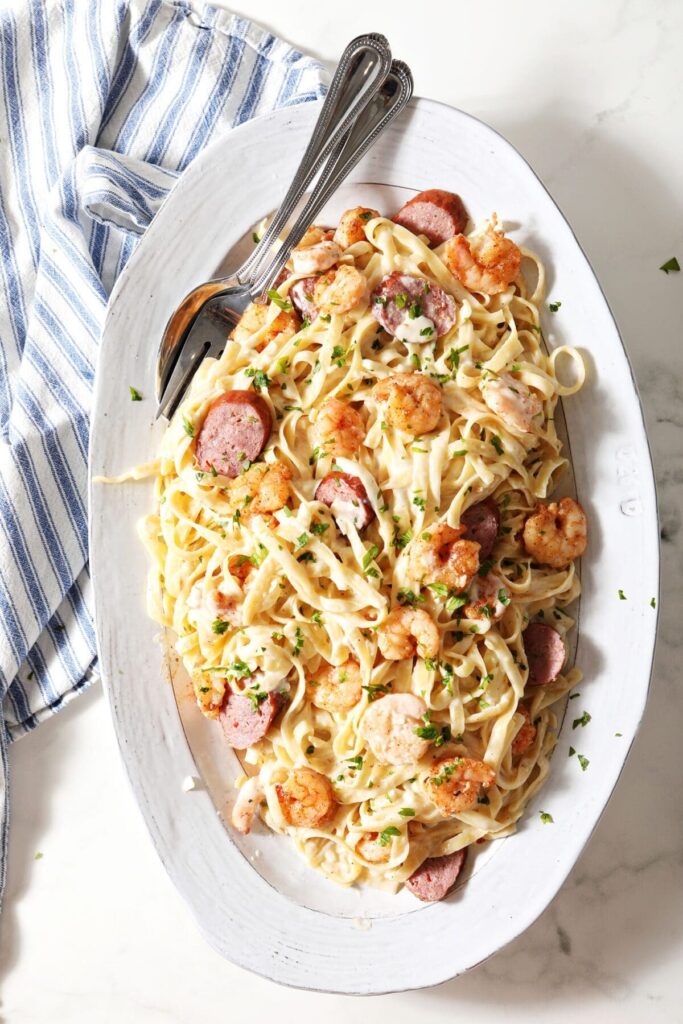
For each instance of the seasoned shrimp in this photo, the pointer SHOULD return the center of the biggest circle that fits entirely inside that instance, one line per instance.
(369, 848)
(413, 402)
(487, 262)
(351, 227)
(453, 783)
(284, 326)
(315, 256)
(262, 488)
(407, 632)
(389, 728)
(526, 734)
(336, 687)
(306, 799)
(224, 607)
(240, 566)
(249, 799)
(557, 533)
(340, 290)
(339, 428)
(488, 597)
(508, 398)
(441, 556)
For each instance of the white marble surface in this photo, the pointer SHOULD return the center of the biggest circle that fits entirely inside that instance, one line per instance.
(92, 931)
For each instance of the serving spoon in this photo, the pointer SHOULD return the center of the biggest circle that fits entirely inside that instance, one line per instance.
(367, 93)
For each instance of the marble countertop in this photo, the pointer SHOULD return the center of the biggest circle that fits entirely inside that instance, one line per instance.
(92, 929)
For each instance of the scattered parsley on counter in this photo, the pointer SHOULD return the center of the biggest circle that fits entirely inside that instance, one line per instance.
(671, 266)
(622, 595)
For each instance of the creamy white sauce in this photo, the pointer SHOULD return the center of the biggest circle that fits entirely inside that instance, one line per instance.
(410, 330)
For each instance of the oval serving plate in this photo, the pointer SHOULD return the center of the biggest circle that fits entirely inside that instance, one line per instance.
(255, 900)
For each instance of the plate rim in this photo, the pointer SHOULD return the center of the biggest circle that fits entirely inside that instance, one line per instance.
(649, 484)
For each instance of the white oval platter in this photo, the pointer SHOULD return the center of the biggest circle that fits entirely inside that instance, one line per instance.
(254, 899)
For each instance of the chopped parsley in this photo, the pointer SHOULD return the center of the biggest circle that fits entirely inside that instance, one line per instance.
(407, 812)
(284, 304)
(670, 266)
(260, 380)
(319, 528)
(582, 721)
(453, 358)
(219, 626)
(440, 589)
(255, 238)
(419, 502)
(426, 332)
(355, 762)
(401, 300)
(497, 444)
(416, 361)
(298, 641)
(571, 752)
(622, 595)
(376, 690)
(653, 602)
(317, 617)
(583, 761)
(554, 306)
(410, 598)
(370, 555)
(414, 311)
(135, 395)
(301, 541)
(188, 427)
(385, 835)
(546, 818)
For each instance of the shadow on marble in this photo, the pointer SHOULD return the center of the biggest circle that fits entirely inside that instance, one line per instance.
(30, 814)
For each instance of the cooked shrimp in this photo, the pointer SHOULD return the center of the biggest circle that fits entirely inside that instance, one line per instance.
(340, 290)
(369, 848)
(488, 597)
(441, 556)
(336, 687)
(313, 259)
(306, 799)
(526, 734)
(557, 533)
(339, 428)
(249, 799)
(262, 488)
(487, 262)
(224, 607)
(453, 783)
(413, 402)
(407, 632)
(351, 227)
(512, 401)
(389, 728)
(284, 326)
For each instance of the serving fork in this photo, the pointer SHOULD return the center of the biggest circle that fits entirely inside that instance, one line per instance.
(367, 92)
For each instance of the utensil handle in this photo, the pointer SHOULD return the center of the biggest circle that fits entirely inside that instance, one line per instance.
(391, 99)
(362, 68)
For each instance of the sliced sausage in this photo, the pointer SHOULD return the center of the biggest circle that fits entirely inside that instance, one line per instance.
(234, 433)
(482, 523)
(243, 722)
(545, 652)
(412, 308)
(301, 296)
(346, 496)
(435, 878)
(435, 213)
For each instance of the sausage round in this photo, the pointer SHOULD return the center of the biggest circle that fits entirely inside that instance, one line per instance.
(234, 433)
(242, 723)
(435, 878)
(545, 652)
(346, 496)
(301, 296)
(482, 523)
(401, 300)
(435, 213)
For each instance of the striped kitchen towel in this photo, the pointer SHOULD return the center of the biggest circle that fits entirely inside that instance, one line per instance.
(103, 104)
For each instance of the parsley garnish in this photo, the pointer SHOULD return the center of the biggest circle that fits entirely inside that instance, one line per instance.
(219, 626)
(355, 762)
(319, 528)
(583, 721)
(554, 306)
(410, 598)
(260, 380)
(401, 300)
(385, 835)
(188, 427)
(653, 602)
(407, 812)
(670, 266)
(370, 555)
(420, 502)
(377, 690)
(622, 595)
(583, 761)
(496, 442)
(284, 304)
(301, 541)
(546, 818)
(299, 641)
(135, 395)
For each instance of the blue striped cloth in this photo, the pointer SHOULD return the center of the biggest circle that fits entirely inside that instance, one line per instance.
(103, 104)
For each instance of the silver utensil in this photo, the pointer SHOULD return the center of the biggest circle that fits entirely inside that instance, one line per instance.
(202, 322)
